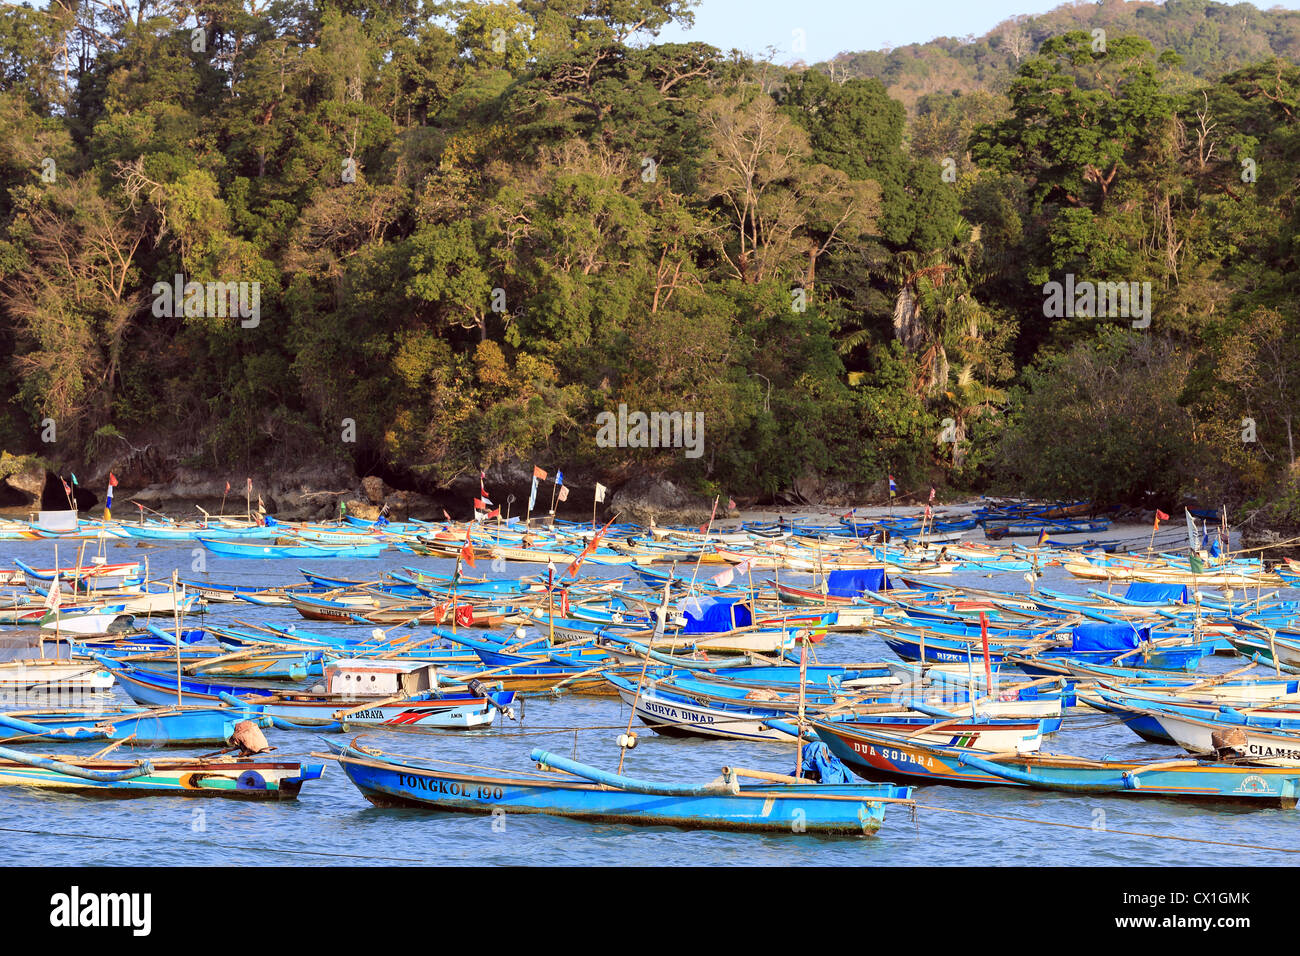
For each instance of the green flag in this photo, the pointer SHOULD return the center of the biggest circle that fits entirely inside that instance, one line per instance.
(1198, 566)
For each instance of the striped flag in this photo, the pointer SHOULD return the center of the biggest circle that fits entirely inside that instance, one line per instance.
(108, 497)
(1160, 516)
(893, 488)
(1042, 537)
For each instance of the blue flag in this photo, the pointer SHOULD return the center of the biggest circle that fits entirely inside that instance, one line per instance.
(559, 478)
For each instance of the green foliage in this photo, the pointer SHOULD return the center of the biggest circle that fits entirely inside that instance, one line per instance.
(476, 226)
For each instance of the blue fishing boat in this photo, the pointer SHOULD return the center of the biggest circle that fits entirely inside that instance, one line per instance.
(876, 754)
(256, 549)
(136, 726)
(181, 776)
(779, 804)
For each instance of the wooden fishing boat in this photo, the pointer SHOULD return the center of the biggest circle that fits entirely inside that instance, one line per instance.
(413, 705)
(875, 754)
(48, 674)
(182, 776)
(778, 805)
(289, 548)
(134, 726)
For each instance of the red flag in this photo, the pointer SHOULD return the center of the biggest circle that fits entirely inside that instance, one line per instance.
(572, 569)
(704, 528)
(227, 487)
(1160, 516)
(564, 602)
(440, 611)
(494, 513)
(478, 504)
(445, 515)
(538, 473)
(467, 552)
(465, 615)
(932, 494)
(731, 504)
(112, 480)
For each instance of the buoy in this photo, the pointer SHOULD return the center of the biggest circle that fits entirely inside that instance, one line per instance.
(627, 741)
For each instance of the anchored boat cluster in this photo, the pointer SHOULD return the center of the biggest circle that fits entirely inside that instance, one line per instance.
(703, 633)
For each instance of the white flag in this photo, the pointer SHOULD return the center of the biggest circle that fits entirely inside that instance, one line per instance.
(564, 493)
(1192, 540)
(532, 496)
(600, 492)
(52, 598)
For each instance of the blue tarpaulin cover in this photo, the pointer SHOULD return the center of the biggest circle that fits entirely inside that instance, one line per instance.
(1143, 591)
(853, 583)
(1108, 637)
(707, 617)
(822, 765)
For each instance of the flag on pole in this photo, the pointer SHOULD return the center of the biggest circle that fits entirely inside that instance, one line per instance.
(479, 504)
(704, 528)
(494, 513)
(564, 493)
(482, 491)
(532, 495)
(550, 573)
(1191, 530)
(723, 578)
(261, 508)
(1198, 566)
(74, 479)
(250, 486)
(1160, 516)
(600, 492)
(538, 474)
(52, 598)
(467, 552)
(1042, 538)
(932, 495)
(445, 515)
(731, 504)
(572, 569)
(227, 487)
(108, 497)
(559, 478)
(893, 488)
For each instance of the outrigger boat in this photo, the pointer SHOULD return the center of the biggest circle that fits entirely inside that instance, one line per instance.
(135, 726)
(181, 776)
(872, 753)
(779, 804)
(413, 701)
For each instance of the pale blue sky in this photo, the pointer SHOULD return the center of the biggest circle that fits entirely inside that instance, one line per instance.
(834, 26)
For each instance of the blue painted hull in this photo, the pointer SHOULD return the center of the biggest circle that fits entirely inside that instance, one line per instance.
(780, 808)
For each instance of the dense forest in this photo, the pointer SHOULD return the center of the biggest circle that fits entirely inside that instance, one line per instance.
(1058, 260)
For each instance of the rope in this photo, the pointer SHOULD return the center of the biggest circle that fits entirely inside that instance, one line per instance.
(1079, 826)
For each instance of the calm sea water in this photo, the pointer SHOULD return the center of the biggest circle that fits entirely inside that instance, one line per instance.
(331, 824)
